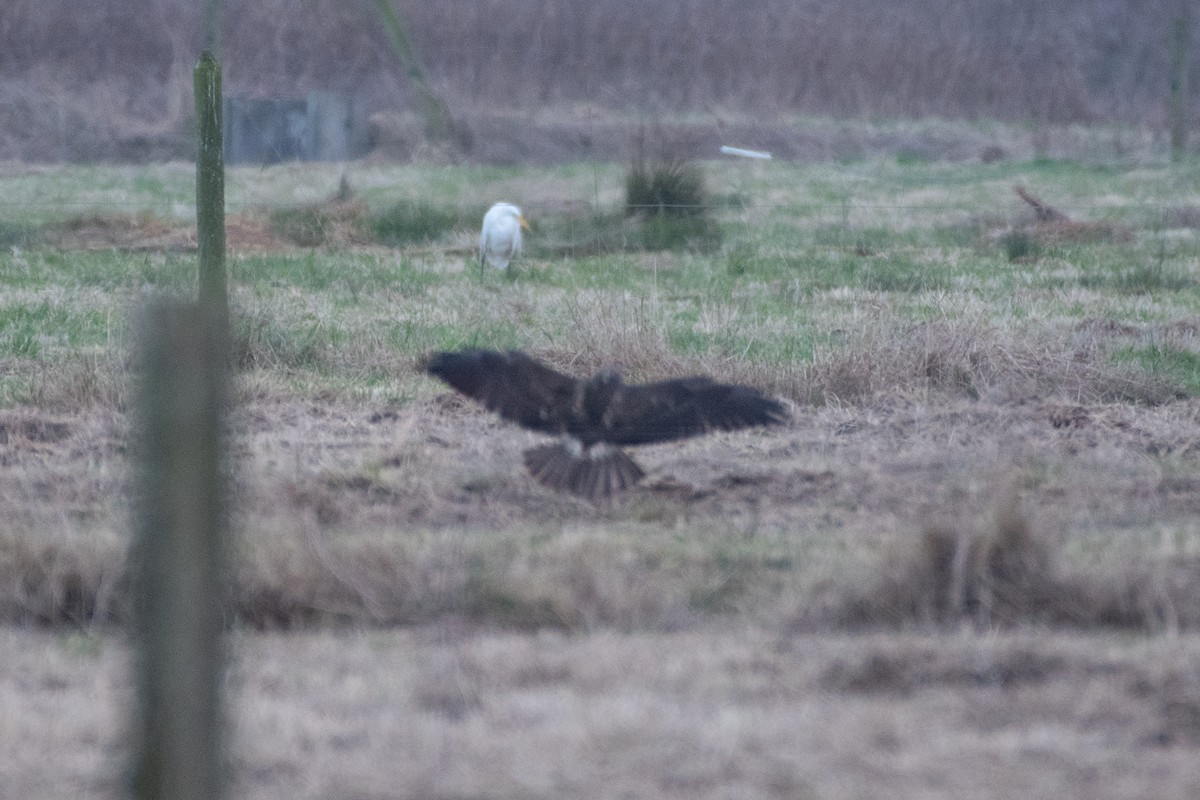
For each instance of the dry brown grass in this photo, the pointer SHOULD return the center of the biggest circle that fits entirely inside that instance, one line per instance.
(451, 712)
(1005, 574)
(414, 515)
(881, 358)
(245, 231)
(767, 615)
(890, 358)
(82, 381)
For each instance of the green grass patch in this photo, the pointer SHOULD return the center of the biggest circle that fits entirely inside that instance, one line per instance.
(670, 232)
(99, 269)
(417, 222)
(1158, 276)
(349, 277)
(1175, 363)
(581, 235)
(897, 272)
(17, 234)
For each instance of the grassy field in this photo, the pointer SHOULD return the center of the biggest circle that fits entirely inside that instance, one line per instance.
(969, 566)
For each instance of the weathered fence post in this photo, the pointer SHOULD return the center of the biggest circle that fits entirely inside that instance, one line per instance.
(1179, 84)
(179, 552)
(212, 26)
(210, 184)
(179, 549)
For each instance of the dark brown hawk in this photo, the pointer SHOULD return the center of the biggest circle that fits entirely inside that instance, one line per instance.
(597, 415)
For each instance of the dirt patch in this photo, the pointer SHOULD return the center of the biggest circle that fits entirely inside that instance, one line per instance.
(248, 231)
(118, 231)
(252, 232)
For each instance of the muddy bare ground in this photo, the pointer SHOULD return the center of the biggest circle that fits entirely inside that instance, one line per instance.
(456, 631)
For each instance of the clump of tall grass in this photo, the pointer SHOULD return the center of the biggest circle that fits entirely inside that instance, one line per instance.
(666, 192)
(1020, 247)
(1000, 574)
(262, 340)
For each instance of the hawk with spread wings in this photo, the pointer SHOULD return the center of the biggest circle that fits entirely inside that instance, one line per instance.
(597, 415)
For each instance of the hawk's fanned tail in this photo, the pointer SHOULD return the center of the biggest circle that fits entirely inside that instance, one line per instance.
(594, 475)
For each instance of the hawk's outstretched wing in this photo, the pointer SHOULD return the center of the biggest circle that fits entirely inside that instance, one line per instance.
(599, 410)
(677, 409)
(511, 384)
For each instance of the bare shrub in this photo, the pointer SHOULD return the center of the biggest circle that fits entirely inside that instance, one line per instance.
(106, 80)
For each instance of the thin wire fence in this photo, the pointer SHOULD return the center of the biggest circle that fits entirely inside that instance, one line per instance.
(168, 209)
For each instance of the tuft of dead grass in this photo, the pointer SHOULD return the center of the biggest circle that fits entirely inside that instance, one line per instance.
(55, 581)
(31, 428)
(80, 381)
(1003, 574)
(998, 575)
(339, 221)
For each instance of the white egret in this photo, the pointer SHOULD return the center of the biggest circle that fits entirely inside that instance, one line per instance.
(500, 240)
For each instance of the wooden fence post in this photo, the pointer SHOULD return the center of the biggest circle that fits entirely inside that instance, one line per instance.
(210, 184)
(179, 549)
(212, 26)
(179, 553)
